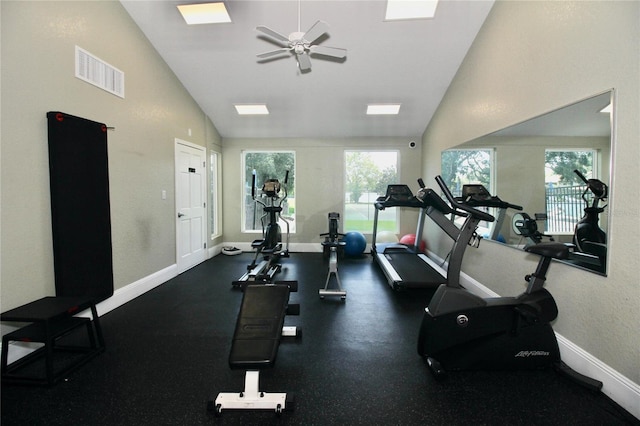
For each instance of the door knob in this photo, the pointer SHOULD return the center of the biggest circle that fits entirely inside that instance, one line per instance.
(180, 215)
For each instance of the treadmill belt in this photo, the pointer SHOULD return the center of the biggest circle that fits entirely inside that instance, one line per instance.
(414, 271)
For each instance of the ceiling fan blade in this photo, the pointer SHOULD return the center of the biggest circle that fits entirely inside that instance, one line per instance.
(334, 52)
(318, 29)
(304, 62)
(273, 53)
(271, 33)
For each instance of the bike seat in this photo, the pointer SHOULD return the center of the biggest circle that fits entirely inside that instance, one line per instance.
(551, 249)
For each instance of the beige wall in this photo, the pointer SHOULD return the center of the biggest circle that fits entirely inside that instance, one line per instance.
(319, 181)
(530, 58)
(38, 42)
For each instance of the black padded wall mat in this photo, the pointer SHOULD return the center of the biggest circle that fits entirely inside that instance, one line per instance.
(80, 215)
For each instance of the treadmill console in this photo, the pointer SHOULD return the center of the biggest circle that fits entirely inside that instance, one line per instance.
(398, 192)
(475, 192)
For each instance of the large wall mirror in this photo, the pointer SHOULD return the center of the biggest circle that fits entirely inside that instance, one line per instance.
(531, 164)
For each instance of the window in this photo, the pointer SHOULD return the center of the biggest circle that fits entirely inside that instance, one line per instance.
(267, 165)
(367, 174)
(563, 188)
(465, 166)
(213, 195)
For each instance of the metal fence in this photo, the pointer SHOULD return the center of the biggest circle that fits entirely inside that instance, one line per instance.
(565, 207)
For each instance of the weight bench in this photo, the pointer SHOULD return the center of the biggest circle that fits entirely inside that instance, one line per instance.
(259, 329)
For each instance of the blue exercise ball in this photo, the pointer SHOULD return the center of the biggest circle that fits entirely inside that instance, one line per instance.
(355, 243)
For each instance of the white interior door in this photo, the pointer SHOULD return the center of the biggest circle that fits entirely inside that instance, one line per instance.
(191, 222)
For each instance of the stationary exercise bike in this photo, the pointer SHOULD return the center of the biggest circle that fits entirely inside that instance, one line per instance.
(332, 248)
(462, 331)
(270, 246)
(587, 236)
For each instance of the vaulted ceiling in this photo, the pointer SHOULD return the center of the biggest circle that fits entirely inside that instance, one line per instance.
(411, 62)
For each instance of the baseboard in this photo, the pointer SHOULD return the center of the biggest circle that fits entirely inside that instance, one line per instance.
(619, 388)
(135, 289)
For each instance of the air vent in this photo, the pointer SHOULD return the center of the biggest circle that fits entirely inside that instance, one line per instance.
(95, 71)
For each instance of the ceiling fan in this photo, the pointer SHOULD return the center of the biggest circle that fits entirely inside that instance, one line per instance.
(301, 44)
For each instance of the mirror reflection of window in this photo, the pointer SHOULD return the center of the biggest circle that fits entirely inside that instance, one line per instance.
(465, 166)
(469, 166)
(563, 188)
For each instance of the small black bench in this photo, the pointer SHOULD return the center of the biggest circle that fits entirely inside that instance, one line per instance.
(50, 319)
(259, 330)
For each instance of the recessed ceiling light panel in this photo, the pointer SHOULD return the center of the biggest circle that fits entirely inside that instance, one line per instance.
(608, 109)
(410, 9)
(204, 13)
(383, 109)
(252, 109)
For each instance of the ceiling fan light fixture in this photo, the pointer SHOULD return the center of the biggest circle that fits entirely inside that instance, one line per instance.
(252, 109)
(204, 13)
(383, 109)
(410, 9)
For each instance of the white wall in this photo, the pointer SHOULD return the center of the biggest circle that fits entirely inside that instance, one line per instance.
(529, 58)
(38, 42)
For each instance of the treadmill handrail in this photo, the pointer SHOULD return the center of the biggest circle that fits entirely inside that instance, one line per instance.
(382, 203)
(458, 205)
(493, 202)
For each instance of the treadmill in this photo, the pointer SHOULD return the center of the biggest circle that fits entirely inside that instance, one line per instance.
(404, 266)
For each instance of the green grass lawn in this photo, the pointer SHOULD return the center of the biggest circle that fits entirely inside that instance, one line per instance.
(366, 226)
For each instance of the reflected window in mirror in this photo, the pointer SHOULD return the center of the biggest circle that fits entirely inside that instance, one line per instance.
(469, 166)
(563, 187)
(465, 166)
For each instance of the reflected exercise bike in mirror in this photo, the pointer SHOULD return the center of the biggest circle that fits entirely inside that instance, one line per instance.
(531, 164)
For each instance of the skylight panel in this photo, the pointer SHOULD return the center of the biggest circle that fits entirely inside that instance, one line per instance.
(204, 13)
(383, 109)
(252, 109)
(410, 9)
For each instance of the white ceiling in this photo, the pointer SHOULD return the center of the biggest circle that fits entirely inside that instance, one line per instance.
(409, 62)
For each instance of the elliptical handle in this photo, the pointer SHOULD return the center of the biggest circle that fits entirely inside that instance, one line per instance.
(286, 177)
(253, 184)
(581, 176)
(421, 183)
(457, 205)
(596, 186)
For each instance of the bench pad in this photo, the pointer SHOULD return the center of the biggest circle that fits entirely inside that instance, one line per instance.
(259, 326)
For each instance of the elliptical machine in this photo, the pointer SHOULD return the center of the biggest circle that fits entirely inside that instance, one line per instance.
(270, 246)
(462, 331)
(587, 235)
